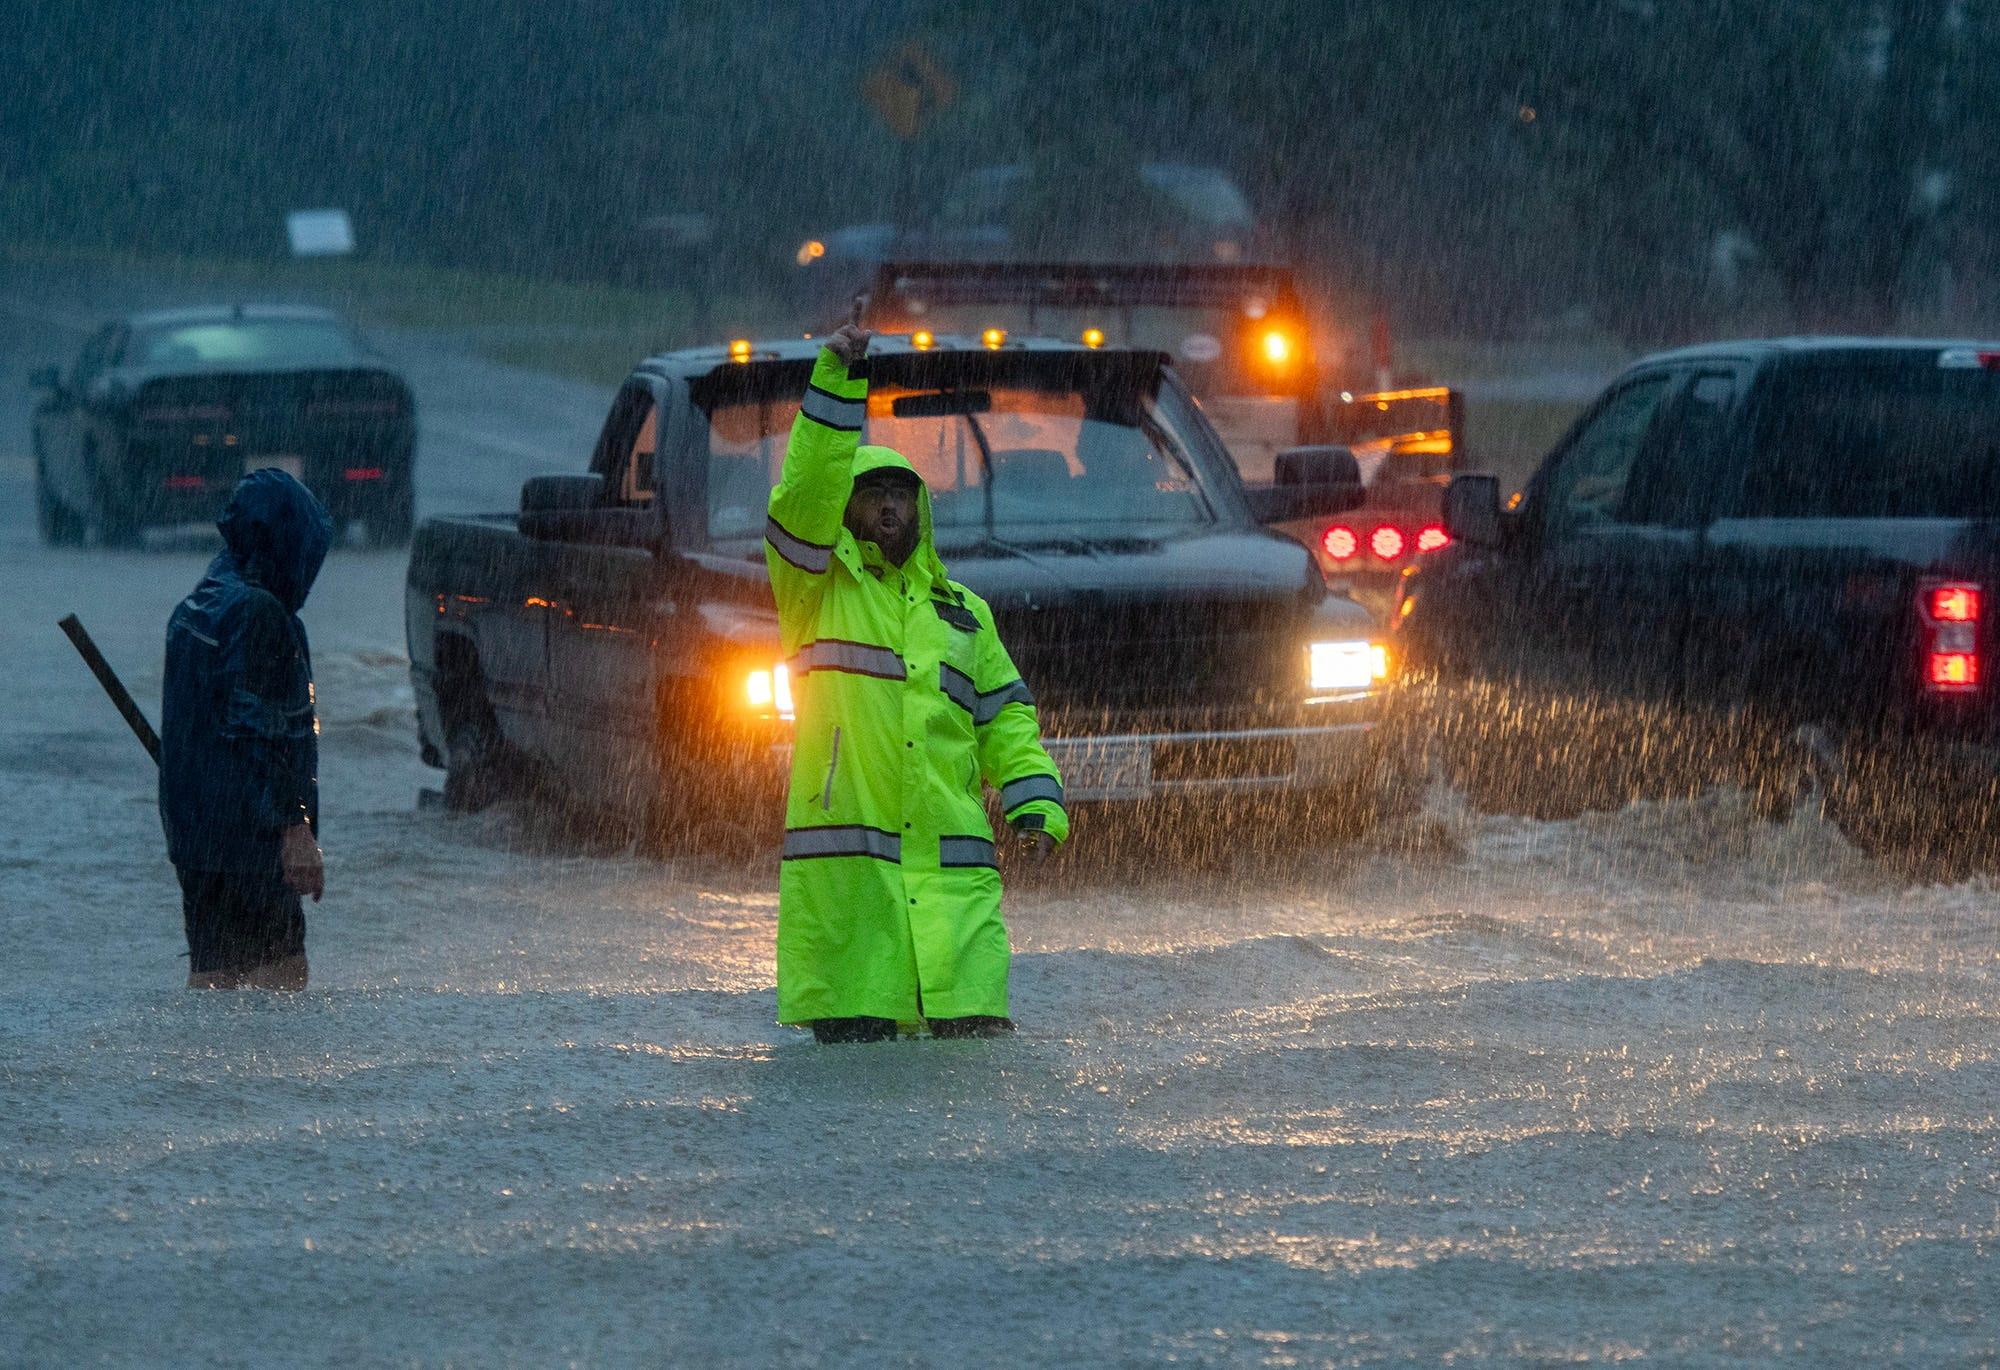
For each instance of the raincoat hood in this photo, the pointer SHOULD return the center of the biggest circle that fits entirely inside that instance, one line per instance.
(278, 534)
(867, 459)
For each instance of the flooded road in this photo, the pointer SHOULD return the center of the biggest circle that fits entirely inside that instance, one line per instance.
(1670, 1084)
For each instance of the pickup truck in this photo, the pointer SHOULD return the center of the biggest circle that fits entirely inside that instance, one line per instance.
(1794, 541)
(617, 634)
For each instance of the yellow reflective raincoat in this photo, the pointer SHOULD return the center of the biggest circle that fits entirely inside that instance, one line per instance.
(906, 703)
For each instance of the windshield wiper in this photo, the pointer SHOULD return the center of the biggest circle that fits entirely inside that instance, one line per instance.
(994, 544)
(985, 474)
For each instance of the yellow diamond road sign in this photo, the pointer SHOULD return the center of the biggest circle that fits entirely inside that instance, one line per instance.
(908, 88)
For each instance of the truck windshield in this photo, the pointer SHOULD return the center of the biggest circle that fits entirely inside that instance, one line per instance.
(302, 342)
(1878, 439)
(1011, 462)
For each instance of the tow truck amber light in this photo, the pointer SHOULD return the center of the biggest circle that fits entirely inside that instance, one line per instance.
(1093, 337)
(1955, 604)
(1277, 348)
(1343, 665)
(1432, 538)
(771, 690)
(994, 337)
(921, 340)
(810, 251)
(1341, 544)
(1386, 542)
(739, 351)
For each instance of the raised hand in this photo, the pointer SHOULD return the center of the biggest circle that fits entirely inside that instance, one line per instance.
(850, 341)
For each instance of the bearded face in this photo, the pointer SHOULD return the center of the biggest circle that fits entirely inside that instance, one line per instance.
(883, 510)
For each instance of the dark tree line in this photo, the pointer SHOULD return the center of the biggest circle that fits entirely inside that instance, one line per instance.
(1656, 167)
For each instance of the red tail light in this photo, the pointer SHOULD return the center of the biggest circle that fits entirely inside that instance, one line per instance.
(1955, 604)
(1950, 612)
(1340, 543)
(1954, 670)
(1386, 542)
(1432, 538)
(185, 482)
(362, 473)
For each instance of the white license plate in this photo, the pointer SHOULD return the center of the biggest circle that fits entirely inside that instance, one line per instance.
(295, 467)
(1104, 770)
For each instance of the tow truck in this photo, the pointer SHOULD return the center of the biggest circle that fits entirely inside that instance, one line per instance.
(617, 633)
(1250, 348)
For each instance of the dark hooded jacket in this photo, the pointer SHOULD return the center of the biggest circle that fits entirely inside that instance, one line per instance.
(239, 745)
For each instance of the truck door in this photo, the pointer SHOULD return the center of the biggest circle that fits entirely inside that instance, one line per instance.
(65, 424)
(607, 602)
(1592, 607)
(1646, 561)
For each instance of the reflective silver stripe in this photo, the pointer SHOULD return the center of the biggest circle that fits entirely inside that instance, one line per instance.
(807, 556)
(991, 702)
(958, 852)
(825, 407)
(851, 839)
(1015, 793)
(857, 658)
(957, 687)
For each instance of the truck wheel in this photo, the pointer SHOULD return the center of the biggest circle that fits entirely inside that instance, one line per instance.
(1930, 821)
(117, 523)
(59, 527)
(479, 766)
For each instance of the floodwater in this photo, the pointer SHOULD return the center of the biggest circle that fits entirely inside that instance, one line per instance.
(1670, 1084)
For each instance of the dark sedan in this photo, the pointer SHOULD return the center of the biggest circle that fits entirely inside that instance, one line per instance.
(161, 413)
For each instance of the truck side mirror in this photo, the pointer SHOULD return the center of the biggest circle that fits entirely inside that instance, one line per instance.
(1472, 510)
(572, 509)
(561, 494)
(45, 378)
(1308, 482)
(1315, 466)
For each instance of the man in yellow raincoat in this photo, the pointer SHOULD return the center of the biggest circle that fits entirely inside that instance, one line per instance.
(906, 704)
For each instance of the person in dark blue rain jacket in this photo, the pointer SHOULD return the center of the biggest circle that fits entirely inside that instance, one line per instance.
(239, 743)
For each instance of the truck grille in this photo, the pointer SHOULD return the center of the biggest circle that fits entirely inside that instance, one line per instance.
(1132, 662)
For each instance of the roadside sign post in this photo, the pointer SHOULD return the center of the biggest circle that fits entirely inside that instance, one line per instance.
(907, 90)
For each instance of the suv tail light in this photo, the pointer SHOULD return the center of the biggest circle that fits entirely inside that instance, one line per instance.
(1950, 615)
(1341, 544)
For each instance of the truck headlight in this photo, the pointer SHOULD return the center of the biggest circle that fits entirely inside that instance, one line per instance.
(1351, 665)
(770, 691)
